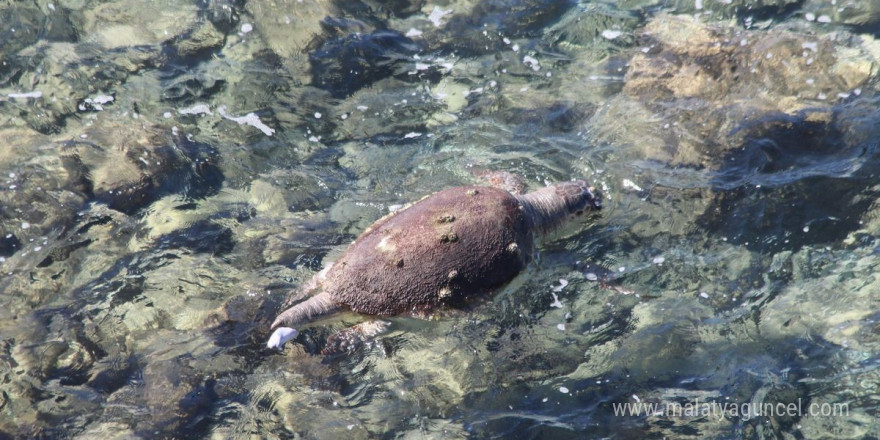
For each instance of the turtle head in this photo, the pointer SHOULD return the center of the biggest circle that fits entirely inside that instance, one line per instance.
(579, 198)
(548, 208)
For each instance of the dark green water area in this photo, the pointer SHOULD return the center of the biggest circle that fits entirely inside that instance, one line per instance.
(171, 171)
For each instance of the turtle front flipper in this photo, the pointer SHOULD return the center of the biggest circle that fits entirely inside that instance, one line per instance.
(353, 338)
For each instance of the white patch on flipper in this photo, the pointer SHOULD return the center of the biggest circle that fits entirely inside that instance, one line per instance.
(280, 336)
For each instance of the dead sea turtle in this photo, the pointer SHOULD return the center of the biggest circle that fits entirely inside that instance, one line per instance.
(448, 247)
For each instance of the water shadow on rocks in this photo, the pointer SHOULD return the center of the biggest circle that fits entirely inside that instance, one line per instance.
(78, 358)
(755, 372)
(795, 180)
(346, 64)
(466, 34)
(180, 166)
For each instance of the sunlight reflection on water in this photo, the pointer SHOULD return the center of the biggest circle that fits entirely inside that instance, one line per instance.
(173, 170)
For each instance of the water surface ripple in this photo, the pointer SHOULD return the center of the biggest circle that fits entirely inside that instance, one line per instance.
(171, 171)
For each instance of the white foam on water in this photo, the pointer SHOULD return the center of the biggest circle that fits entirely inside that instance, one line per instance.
(249, 119)
(34, 94)
(437, 15)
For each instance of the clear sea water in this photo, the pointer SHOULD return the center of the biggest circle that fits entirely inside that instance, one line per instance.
(170, 171)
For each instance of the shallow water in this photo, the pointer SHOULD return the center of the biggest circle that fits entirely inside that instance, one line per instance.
(172, 171)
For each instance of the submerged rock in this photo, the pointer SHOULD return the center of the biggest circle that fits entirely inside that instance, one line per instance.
(763, 70)
(128, 166)
(22, 23)
(290, 27)
(197, 40)
(596, 28)
(124, 23)
(41, 195)
(770, 119)
(68, 75)
(389, 111)
(747, 11)
(795, 179)
(348, 63)
(111, 42)
(862, 16)
(470, 29)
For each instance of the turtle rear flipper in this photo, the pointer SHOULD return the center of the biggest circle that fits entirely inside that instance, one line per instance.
(318, 305)
(283, 327)
(353, 338)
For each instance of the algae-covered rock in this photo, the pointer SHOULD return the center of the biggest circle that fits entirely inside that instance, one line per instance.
(766, 70)
(595, 28)
(857, 14)
(290, 27)
(350, 62)
(747, 11)
(399, 112)
(21, 27)
(127, 166)
(126, 23)
(769, 116)
(60, 76)
(41, 194)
